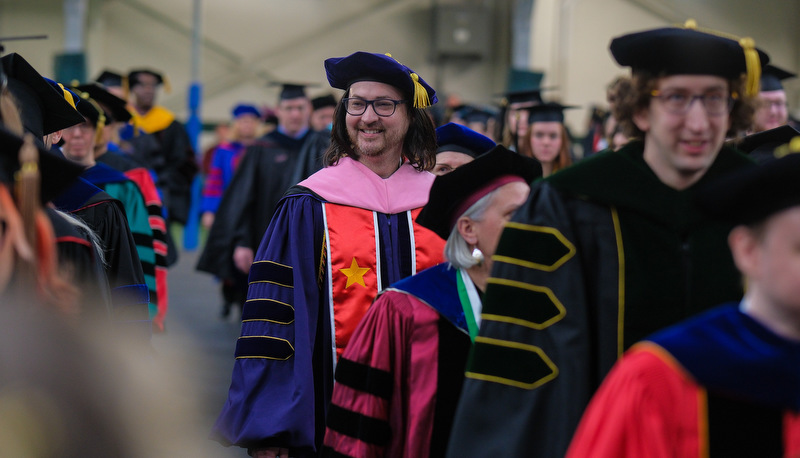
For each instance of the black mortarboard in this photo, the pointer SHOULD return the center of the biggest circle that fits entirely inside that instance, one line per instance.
(323, 101)
(688, 51)
(111, 79)
(771, 77)
(56, 172)
(530, 96)
(291, 90)
(113, 106)
(547, 112)
(760, 146)
(133, 76)
(452, 194)
(752, 194)
(383, 68)
(462, 139)
(43, 110)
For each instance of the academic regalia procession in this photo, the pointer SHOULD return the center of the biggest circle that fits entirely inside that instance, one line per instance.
(578, 245)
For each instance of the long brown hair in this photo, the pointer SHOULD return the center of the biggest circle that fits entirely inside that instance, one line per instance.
(564, 158)
(419, 144)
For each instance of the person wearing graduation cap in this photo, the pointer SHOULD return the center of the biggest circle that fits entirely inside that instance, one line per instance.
(80, 144)
(336, 240)
(45, 112)
(416, 336)
(772, 110)
(546, 138)
(515, 115)
(173, 162)
(275, 162)
(458, 145)
(106, 151)
(610, 249)
(225, 159)
(726, 383)
(322, 112)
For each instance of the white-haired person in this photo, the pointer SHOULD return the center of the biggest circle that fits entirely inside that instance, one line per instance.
(398, 381)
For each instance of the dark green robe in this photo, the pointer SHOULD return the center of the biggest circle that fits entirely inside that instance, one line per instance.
(601, 255)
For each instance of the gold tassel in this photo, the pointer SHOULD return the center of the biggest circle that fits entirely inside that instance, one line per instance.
(753, 64)
(421, 99)
(165, 82)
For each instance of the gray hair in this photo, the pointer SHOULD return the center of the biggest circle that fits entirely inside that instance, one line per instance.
(457, 250)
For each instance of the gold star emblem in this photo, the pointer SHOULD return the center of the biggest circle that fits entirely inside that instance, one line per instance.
(355, 274)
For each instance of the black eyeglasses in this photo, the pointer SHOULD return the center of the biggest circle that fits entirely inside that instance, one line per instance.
(679, 102)
(356, 106)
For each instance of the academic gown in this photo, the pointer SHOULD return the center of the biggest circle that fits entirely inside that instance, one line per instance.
(267, 170)
(106, 217)
(334, 242)
(126, 191)
(601, 255)
(155, 217)
(173, 162)
(85, 270)
(398, 382)
(719, 385)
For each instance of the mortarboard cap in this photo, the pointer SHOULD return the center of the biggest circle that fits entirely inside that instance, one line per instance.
(690, 51)
(461, 139)
(753, 194)
(292, 90)
(452, 194)
(547, 112)
(760, 146)
(56, 172)
(771, 77)
(323, 101)
(111, 79)
(383, 68)
(113, 106)
(243, 109)
(43, 110)
(133, 78)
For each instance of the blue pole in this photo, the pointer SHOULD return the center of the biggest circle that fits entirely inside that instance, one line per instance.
(194, 127)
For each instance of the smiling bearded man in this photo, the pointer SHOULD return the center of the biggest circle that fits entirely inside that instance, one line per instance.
(336, 239)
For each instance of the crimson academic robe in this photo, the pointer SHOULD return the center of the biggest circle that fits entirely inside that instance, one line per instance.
(719, 385)
(398, 382)
(333, 243)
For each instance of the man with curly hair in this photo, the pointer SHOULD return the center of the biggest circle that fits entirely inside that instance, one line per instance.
(612, 249)
(335, 240)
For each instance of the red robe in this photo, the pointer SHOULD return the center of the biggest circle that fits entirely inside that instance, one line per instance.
(651, 406)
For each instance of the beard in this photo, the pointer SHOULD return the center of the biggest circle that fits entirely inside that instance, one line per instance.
(388, 139)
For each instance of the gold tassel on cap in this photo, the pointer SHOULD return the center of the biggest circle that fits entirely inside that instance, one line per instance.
(753, 64)
(101, 118)
(421, 99)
